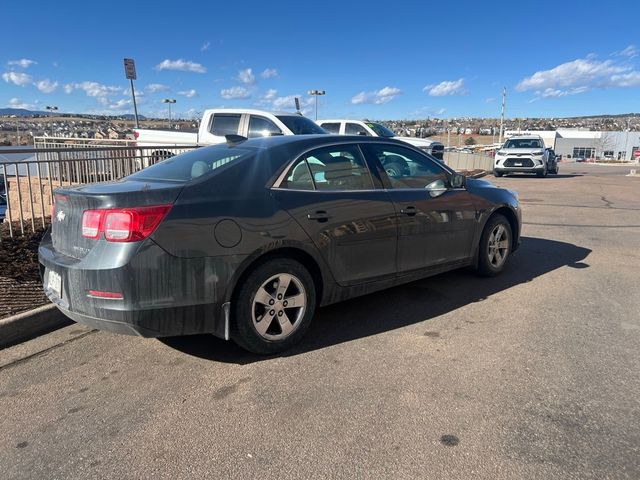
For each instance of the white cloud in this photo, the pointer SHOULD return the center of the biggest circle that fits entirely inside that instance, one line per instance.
(188, 93)
(23, 63)
(94, 89)
(377, 97)
(180, 65)
(490, 100)
(46, 86)
(579, 76)
(446, 88)
(156, 87)
(205, 46)
(235, 93)
(269, 94)
(269, 73)
(17, 103)
(272, 101)
(246, 76)
(120, 104)
(631, 51)
(17, 78)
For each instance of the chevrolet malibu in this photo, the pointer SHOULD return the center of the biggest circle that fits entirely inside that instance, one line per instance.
(245, 239)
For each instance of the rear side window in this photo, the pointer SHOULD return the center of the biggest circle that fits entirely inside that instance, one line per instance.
(191, 165)
(225, 124)
(300, 125)
(331, 127)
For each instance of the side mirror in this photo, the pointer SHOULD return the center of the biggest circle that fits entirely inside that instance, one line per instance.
(436, 188)
(458, 181)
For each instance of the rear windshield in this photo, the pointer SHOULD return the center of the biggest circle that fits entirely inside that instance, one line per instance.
(523, 143)
(191, 165)
(381, 130)
(300, 125)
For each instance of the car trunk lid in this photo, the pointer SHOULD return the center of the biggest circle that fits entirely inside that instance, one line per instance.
(71, 202)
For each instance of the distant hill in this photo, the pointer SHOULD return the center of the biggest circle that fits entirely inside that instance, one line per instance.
(21, 112)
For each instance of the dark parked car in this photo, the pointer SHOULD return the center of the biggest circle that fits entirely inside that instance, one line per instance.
(244, 240)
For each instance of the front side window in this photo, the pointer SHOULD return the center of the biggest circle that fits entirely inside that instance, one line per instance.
(225, 124)
(262, 127)
(355, 129)
(331, 127)
(406, 168)
(339, 167)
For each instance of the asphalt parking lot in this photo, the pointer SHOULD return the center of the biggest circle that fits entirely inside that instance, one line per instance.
(533, 374)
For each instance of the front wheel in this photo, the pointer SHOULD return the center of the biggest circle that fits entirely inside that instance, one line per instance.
(273, 307)
(543, 173)
(495, 246)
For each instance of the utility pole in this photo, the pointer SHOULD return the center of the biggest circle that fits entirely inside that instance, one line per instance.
(504, 101)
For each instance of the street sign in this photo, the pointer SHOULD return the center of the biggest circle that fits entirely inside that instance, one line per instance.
(130, 68)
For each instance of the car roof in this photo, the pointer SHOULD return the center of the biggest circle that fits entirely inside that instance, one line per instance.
(525, 137)
(312, 140)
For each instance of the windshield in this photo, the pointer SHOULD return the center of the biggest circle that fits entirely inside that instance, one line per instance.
(300, 125)
(193, 164)
(523, 143)
(381, 130)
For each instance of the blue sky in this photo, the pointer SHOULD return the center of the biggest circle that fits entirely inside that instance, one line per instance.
(378, 60)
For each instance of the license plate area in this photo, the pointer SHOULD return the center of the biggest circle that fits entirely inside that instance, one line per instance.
(54, 283)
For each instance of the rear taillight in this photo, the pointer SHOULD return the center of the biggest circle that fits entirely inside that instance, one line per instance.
(107, 295)
(123, 224)
(91, 222)
(136, 134)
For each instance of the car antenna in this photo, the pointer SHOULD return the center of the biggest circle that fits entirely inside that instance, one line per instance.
(233, 140)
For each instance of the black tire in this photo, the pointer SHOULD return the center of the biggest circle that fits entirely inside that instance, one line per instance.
(244, 330)
(486, 266)
(497, 174)
(543, 173)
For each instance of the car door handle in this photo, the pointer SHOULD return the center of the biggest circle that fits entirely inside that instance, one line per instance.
(320, 216)
(411, 211)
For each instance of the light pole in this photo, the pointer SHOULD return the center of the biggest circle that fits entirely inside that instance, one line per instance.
(169, 101)
(51, 108)
(316, 93)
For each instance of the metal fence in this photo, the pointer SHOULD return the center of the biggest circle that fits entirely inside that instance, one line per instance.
(27, 180)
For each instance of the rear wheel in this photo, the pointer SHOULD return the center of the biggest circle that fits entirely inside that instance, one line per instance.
(495, 246)
(497, 174)
(273, 306)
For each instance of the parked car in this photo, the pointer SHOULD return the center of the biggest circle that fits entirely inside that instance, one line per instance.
(3, 206)
(523, 154)
(245, 239)
(552, 161)
(373, 129)
(217, 123)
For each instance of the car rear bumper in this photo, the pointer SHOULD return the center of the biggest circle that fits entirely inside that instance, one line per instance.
(162, 295)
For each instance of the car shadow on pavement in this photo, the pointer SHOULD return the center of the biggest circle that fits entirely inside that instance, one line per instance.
(550, 176)
(404, 305)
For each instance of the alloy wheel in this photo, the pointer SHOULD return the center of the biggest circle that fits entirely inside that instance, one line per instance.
(498, 246)
(279, 306)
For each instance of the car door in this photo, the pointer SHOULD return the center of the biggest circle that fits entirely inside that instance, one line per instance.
(436, 223)
(332, 195)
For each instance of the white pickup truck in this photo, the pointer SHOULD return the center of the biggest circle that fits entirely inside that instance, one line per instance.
(357, 127)
(216, 123)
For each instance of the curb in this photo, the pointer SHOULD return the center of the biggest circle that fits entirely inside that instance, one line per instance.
(31, 323)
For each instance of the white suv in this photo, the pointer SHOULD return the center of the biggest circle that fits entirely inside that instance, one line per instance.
(373, 129)
(523, 154)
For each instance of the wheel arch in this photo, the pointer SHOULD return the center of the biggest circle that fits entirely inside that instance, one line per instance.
(300, 254)
(512, 218)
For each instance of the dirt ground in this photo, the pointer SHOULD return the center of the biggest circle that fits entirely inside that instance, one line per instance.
(20, 285)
